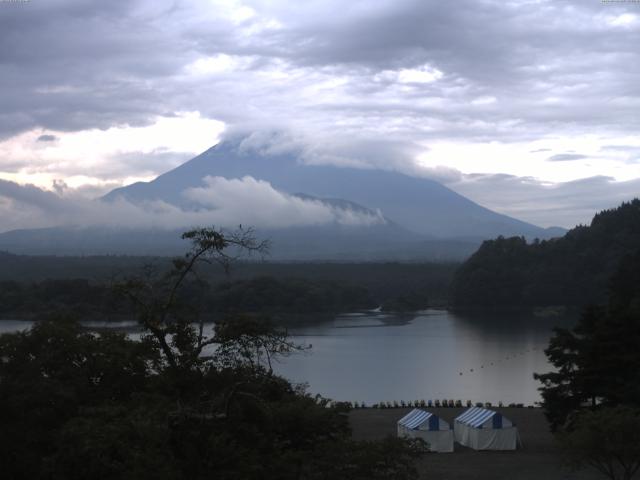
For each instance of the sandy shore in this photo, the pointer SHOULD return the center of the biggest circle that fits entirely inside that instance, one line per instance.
(536, 460)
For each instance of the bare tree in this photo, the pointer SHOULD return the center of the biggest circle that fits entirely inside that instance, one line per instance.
(167, 319)
(250, 342)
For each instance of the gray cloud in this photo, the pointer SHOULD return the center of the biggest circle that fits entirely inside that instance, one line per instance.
(566, 157)
(549, 66)
(620, 148)
(564, 204)
(357, 150)
(47, 138)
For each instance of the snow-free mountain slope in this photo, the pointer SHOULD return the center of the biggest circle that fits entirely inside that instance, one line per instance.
(417, 204)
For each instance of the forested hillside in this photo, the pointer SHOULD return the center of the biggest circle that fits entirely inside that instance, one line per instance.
(264, 295)
(31, 286)
(573, 270)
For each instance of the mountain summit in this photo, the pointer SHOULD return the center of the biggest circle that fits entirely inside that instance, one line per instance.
(419, 205)
(310, 212)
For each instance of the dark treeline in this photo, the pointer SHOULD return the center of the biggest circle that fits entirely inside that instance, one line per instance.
(34, 286)
(83, 299)
(264, 295)
(271, 295)
(573, 270)
(383, 279)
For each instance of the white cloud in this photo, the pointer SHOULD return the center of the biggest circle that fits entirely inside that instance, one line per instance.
(90, 157)
(256, 202)
(222, 202)
(217, 64)
(623, 20)
(423, 74)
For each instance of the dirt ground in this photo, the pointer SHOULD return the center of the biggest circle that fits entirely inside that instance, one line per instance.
(536, 460)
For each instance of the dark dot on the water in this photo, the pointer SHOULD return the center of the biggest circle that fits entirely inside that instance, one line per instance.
(460, 373)
(471, 369)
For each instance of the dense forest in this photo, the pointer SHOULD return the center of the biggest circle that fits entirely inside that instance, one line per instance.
(573, 270)
(265, 295)
(84, 286)
(385, 280)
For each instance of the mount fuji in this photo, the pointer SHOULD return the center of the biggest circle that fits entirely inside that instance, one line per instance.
(373, 214)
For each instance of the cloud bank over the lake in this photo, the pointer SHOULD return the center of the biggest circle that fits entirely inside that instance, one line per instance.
(529, 88)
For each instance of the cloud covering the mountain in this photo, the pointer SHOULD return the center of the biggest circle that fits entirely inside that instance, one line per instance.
(219, 202)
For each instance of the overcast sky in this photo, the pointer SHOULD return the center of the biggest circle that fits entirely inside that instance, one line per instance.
(529, 107)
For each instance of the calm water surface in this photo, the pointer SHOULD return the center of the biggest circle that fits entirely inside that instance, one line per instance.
(434, 354)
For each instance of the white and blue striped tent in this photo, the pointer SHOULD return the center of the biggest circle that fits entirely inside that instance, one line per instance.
(483, 429)
(429, 427)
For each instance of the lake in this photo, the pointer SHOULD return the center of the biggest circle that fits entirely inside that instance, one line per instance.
(434, 354)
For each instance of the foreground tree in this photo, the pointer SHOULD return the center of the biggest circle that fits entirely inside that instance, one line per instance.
(592, 400)
(607, 440)
(179, 404)
(165, 313)
(58, 377)
(598, 361)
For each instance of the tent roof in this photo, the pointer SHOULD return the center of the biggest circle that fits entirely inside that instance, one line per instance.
(415, 418)
(476, 416)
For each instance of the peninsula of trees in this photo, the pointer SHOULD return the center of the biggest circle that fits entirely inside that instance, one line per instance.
(573, 270)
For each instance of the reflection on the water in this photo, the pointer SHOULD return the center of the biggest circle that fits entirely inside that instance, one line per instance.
(431, 355)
